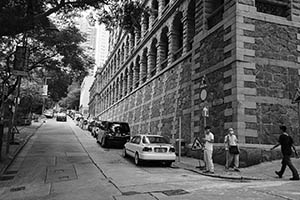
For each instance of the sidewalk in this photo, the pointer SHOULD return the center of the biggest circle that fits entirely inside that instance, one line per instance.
(263, 171)
(21, 139)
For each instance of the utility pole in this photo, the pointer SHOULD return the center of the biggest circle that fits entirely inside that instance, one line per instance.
(2, 119)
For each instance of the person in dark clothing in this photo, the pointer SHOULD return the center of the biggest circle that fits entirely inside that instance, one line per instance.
(286, 142)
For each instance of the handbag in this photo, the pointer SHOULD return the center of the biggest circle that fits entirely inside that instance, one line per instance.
(233, 150)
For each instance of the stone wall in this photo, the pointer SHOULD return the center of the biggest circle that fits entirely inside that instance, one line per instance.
(277, 79)
(156, 106)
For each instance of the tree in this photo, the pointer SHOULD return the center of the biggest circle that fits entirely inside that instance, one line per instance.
(19, 16)
(71, 101)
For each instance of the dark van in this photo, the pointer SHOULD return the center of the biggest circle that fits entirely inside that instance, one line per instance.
(113, 134)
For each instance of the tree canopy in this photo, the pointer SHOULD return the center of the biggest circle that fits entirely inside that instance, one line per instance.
(19, 16)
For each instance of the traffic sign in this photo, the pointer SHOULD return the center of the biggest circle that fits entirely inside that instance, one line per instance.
(203, 94)
(205, 112)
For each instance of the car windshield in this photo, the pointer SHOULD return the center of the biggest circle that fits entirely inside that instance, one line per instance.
(156, 140)
(117, 127)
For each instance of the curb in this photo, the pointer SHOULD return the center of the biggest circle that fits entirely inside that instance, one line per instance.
(238, 178)
(18, 150)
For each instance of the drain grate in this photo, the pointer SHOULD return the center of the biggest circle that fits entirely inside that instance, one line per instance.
(174, 192)
(130, 193)
(16, 189)
(6, 178)
(10, 172)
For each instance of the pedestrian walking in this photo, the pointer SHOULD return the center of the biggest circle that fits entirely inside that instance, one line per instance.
(232, 150)
(287, 144)
(208, 150)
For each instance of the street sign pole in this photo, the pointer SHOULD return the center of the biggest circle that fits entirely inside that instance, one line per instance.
(179, 143)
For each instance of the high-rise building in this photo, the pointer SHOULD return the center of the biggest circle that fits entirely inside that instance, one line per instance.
(96, 47)
(224, 63)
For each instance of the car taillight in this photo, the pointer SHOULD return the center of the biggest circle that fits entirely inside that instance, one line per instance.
(148, 149)
(172, 149)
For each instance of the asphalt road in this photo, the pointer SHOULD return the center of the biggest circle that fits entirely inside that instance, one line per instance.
(61, 161)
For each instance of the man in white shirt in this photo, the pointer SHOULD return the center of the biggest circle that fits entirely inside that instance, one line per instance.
(208, 150)
(232, 150)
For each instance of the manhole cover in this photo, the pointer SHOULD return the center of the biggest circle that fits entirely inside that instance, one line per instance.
(174, 192)
(60, 173)
(16, 189)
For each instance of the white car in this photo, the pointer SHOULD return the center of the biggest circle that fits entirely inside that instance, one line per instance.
(150, 147)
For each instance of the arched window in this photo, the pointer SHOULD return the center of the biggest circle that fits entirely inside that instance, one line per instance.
(178, 36)
(126, 78)
(214, 10)
(131, 69)
(137, 72)
(164, 48)
(191, 24)
(144, 66)
(152, 58)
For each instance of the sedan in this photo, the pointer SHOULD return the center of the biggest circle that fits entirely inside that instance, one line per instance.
(150, 147)
(61, 117)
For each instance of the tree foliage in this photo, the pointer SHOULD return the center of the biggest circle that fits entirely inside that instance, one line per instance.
(71, 101)
(19, 16)
(53, 54)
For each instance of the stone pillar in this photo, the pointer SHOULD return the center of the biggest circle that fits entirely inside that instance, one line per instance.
(143, 69)
(295, 10)
(187, 33)
(131, 43)
(161, 6)
(121, 87)
(130, 79)
(161, 51)
(117, 91)
(144, 26)
(172, 47)
(135, 76)
(151, 20)
(125, 83)
(137, 35)
(151, 62)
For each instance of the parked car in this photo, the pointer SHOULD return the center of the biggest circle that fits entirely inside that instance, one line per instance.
(150, 147)
(113, 134)
(98, 125)
(61, 117)
(49, 114)
(91, 124)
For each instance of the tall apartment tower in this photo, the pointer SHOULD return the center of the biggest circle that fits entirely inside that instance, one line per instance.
(239, 60)
(96, 47)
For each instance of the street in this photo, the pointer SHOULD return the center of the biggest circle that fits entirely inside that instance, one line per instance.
(62, 161)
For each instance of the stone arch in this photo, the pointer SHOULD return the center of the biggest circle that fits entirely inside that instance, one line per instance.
(152, 58)
(144, 65)
(190, 25)
(163, 48)
(177, 36)
(121, 85)
(126, 78)
(131, 77)
(137, 72)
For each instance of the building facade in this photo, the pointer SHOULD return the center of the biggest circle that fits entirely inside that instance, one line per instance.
(238, 58)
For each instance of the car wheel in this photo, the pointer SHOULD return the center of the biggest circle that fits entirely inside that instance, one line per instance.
(137, 160)
(124, 153)
(168, 163)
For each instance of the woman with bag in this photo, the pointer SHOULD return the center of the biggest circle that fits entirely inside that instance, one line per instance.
(232, 150)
